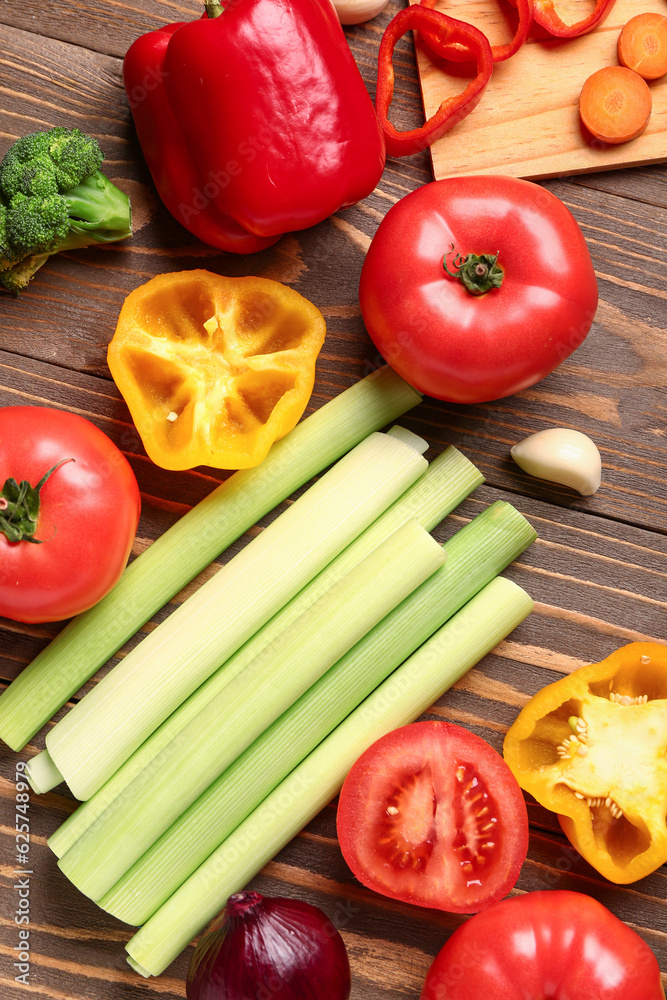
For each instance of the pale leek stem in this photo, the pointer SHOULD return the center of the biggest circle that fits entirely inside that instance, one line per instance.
(112, 720)
(448, 480)
(457, 646)
(161, 571)
(248, 705)
(475, 555)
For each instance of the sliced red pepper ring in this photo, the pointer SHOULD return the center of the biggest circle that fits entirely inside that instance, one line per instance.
(440, 32)
(499, 52)
(546, 16)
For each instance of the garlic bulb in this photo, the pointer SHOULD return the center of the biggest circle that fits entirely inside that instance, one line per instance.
(562, 456)
(358, 11)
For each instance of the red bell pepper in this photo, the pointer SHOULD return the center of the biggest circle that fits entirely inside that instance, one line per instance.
(499, 52)
(255, 122)
(547, 17)
(440, 33)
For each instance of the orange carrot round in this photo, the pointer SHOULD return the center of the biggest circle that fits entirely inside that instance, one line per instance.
(615, 104)
(642, 45)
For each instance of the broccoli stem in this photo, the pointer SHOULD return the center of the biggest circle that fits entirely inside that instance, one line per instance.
(98, 210)
(99, 213)
(53, 197)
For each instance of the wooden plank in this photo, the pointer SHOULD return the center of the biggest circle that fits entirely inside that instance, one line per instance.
(598, 571)
(76, 297)
(646, 184)
(111, 27)
(78, 949)
(621, 405)
(614, 381)
(612, 387)
(597, 585)
(108, 26)
(527, 123)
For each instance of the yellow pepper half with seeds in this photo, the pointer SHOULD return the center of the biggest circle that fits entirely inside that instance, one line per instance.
(214, 369)
(593, 748)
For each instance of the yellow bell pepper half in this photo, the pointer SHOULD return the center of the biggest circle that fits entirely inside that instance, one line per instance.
(593, 748)
(214, 369)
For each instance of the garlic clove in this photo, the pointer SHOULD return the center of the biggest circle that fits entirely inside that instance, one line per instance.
(358, 11)
(562, 456)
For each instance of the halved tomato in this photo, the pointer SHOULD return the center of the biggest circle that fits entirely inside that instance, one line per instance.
(431, 814)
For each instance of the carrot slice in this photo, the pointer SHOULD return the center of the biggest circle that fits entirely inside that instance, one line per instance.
(642, 45)
(615, 104)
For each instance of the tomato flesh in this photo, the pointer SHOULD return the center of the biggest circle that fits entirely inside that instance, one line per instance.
(417, 819)
(478, 836)
(407, 831)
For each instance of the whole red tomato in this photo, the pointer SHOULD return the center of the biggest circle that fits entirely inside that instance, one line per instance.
(463, 346)
(64, 545)
(432, 815)
(557, 945)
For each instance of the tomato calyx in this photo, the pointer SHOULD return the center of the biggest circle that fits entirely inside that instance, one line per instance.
(19, 507)
(478, 273)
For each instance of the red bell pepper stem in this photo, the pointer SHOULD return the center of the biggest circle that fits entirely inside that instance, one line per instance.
(546, 16)
(439, 32)
(499, 52)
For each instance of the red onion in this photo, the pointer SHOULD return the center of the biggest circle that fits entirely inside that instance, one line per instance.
(262, 948)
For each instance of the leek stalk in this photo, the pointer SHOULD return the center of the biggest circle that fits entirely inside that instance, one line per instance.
(248, 705)
(475, 555)
(115, 718)
(448, 480)
(457, 646)
(183, 551)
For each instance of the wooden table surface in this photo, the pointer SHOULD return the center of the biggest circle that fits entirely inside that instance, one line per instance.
(597, 572)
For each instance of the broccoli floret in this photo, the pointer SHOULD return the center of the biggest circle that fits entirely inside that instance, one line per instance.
(53, 197)
(75, 155)
(33, 177)
(17, 277)
(36, 223)
(44, 163)
(6, 252)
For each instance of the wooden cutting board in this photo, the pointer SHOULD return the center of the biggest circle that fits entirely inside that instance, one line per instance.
(527, 122)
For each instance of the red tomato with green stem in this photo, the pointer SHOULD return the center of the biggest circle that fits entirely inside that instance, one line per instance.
(69, 510)
(431, 814)
(557, 945)
(517, 296)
